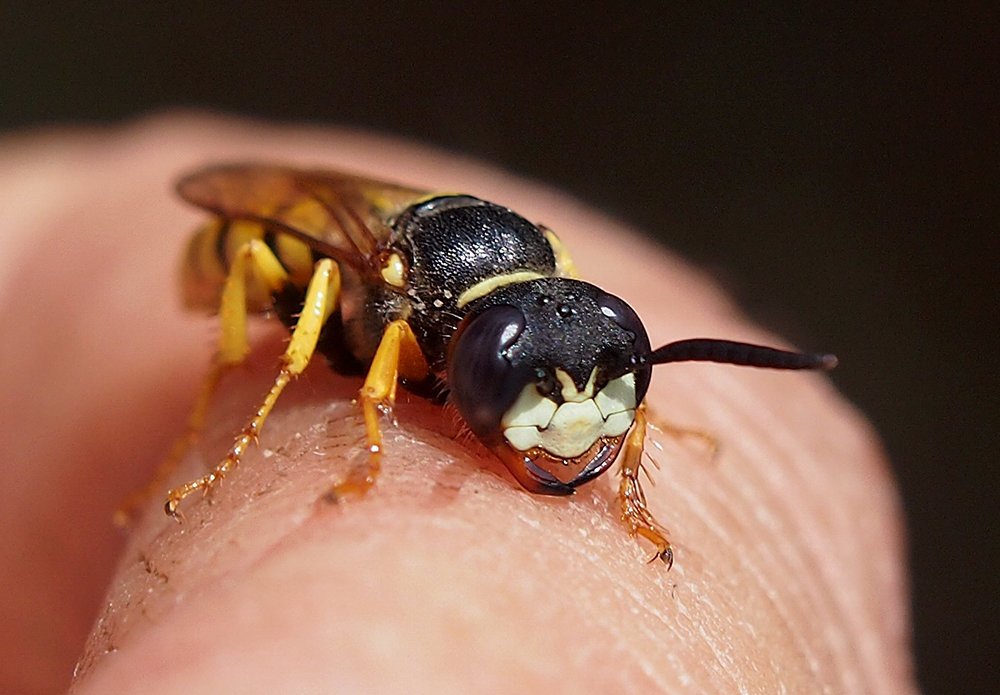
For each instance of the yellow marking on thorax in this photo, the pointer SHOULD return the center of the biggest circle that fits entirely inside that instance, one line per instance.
(484, 287)
(394, 270)
(564, 263)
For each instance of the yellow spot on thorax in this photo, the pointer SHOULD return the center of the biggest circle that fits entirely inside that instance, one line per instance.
(394, 271)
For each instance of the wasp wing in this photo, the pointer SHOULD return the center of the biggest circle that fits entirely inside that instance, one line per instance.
(342, 216)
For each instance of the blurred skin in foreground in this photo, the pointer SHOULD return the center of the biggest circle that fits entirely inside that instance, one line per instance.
(447, 576)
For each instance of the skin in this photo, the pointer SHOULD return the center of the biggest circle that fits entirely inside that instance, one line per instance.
(447, 576)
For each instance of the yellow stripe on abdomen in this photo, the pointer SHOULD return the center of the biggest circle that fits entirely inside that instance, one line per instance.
(202, 271)
(210, 255)
(296, 256)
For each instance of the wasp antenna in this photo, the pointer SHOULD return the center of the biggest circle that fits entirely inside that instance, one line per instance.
(744, 354)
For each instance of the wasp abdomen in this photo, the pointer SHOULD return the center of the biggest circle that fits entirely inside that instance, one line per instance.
(213, 250)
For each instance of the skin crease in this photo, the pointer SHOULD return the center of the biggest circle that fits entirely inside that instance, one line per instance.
(447, 577)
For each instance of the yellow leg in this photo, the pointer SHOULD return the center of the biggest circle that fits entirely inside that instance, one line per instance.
(682, 432)
(253, 265)
(129, 508)
(398, 354)
(253, 262)
(321, 298)
(635, 514)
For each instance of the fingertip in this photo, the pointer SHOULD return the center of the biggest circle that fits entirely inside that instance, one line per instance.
(755, 534)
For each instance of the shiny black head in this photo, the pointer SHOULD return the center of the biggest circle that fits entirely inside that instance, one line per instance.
(548, 373)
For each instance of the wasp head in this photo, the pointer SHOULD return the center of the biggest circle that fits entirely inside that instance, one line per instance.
(548, 374)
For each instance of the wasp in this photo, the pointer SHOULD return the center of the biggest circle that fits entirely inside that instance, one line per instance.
(455, 298)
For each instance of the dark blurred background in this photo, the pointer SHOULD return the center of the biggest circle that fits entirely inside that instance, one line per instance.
(837, 169)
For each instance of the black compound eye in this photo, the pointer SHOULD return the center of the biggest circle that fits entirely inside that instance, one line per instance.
(625, 317)
(484, 381)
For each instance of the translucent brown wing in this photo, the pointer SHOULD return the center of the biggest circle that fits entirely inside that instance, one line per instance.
(339, 215)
